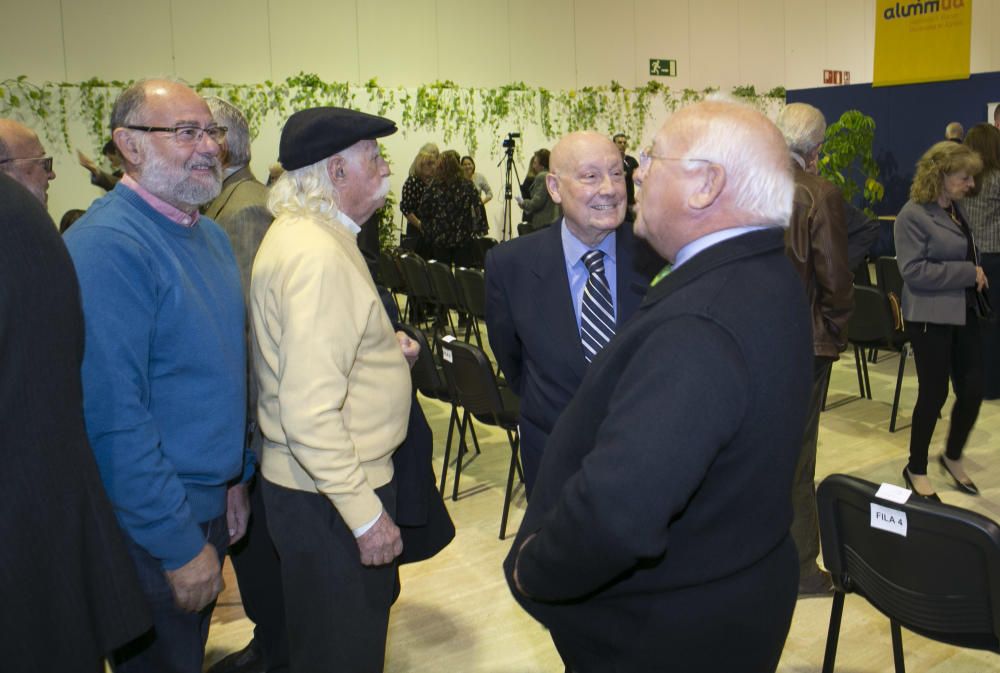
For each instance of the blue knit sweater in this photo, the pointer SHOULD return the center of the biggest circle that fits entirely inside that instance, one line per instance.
(163, 368)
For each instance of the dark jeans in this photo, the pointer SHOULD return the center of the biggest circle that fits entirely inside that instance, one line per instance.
(337, 609)
(942, 352)
(176, 643)
(805, 519)
(258, 572)
(991, 329)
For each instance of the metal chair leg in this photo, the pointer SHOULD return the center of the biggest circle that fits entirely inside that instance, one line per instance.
(833, 632)
(897, 646)
(447, 446)
(462, 450)
(510, 484)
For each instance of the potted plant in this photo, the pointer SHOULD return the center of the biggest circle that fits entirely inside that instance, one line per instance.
(847, 161)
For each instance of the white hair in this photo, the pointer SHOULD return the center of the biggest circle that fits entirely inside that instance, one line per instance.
(803, 126)
(306, 190)
(761, 185)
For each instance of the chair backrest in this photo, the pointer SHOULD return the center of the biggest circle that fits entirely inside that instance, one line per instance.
(425, 372)
(936, 570)
(473, 285)
(871, 322)
(418, 280)
(887, 276)
(472, 376)
(389, 273)
(445, 286)
(861, 274)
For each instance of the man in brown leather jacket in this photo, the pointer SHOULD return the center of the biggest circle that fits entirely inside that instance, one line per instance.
(816, 243)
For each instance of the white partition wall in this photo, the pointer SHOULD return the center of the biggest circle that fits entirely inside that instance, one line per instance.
(557, 44)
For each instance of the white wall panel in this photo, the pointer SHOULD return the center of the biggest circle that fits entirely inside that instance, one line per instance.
(542, 43)
(761, 44)
(35, 47)
(314, 36)
(205, 45)
(604, 48)
(473, 42)
(845, 37)
(397, 41)
(109, 40)
(715, 47)
(662, 31)
(981, 49)
(805, 43)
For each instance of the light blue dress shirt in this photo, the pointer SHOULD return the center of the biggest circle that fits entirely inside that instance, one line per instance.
(576, 270)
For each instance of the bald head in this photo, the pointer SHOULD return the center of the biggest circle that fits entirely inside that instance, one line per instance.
(714, 165)
(586, 177)
(954, 131)
(22, 157)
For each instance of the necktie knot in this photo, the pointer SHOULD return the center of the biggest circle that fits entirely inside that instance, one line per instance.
(594, 261)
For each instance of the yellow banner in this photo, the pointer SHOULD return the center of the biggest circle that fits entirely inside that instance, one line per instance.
(921, 41)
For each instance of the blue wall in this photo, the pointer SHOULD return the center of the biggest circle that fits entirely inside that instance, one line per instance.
(908, 120)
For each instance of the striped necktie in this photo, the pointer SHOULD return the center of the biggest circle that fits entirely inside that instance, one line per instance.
(597, 311)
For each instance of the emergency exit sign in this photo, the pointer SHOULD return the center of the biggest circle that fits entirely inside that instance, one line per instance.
(663, 67)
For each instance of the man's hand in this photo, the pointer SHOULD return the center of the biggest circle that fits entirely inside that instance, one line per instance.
(237, 512)
(410, 348)
(196, 583)
(86, 161)
(381, 543)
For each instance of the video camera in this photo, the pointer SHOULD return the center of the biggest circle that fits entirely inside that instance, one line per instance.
(509, 140)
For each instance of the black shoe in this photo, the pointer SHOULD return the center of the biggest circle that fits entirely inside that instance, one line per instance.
(965, 486)
(818, 583)
(909, 482)
(248, 660)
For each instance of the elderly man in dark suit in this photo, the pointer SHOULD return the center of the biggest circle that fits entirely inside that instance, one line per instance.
(70, 593)
(536, 286)
(657, 535)
(241, 210)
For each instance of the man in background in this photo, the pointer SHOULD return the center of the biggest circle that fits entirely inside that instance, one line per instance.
(816, 243)
(241, 210)
(22, 157)
(621, 141)
(555, 298)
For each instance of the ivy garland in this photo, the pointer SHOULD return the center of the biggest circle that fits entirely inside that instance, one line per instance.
(445, 108)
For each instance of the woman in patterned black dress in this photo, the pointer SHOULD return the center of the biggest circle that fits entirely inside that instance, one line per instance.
(450, 210)
(421, 172)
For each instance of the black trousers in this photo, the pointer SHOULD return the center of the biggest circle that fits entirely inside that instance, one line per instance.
(258, 572)
(805, 517)
(337, 610)
(942, 352)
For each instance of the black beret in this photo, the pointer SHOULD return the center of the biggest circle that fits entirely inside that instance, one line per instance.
(320, 132)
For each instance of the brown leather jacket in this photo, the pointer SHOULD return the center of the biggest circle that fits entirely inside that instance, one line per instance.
(816, 243)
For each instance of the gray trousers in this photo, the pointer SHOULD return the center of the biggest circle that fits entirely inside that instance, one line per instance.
(805, 519)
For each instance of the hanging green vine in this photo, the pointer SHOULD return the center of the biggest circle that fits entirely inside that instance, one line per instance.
(447, 109)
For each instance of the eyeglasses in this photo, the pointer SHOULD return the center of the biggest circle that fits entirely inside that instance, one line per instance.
(46, 162)
(186, 135)
(646, 157)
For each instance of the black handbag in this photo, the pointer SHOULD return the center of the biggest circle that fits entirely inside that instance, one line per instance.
(981, 305)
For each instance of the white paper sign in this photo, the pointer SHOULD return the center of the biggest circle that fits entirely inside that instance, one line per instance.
(446, 354)
(893, 493)
(892, 520)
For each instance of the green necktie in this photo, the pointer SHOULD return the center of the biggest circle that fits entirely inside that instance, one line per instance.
(664, 272)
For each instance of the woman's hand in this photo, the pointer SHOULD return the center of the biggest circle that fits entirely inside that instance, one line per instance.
(981, 280)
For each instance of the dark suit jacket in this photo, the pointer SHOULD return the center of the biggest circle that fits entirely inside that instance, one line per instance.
(532, 323)
(661, 512)
(70, 594)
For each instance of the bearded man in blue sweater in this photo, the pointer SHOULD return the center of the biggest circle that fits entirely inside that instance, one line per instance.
(164, 365)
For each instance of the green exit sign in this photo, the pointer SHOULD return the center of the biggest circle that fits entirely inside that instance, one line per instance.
(662, 67)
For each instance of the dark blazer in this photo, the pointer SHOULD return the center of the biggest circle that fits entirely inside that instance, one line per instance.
(532, 324)
(661, 512)
(70, 590)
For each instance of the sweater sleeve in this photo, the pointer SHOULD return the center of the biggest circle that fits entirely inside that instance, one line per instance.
(325, 320)
(119, 293)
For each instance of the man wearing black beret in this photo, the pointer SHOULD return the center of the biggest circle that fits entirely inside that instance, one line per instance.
(334, 393)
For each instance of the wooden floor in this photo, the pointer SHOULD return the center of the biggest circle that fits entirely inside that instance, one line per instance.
(455, 612)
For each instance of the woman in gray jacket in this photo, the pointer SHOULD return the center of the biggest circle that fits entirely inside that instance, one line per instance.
(941, 271)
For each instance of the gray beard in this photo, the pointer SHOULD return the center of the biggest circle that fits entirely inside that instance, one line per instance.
(175, 186)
